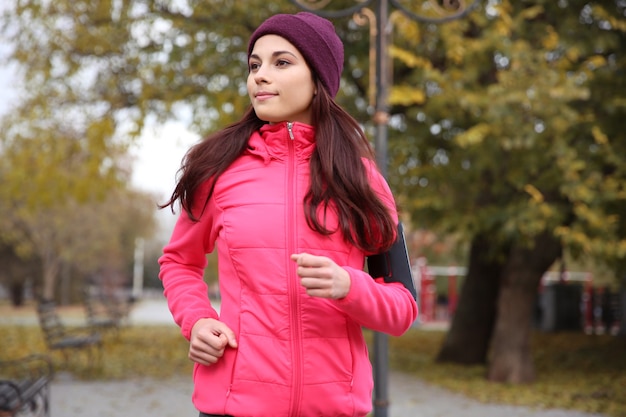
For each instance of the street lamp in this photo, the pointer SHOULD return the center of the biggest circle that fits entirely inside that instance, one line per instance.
(379, 20)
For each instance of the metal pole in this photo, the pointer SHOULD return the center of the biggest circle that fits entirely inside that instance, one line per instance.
(381, 116)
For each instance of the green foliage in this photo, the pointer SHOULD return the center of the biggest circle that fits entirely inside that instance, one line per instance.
(128, 60)
(508, 123)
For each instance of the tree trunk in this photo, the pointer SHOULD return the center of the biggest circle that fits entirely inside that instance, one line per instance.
(16, 292)
(51, 267)
(511, 359)
(467, 341)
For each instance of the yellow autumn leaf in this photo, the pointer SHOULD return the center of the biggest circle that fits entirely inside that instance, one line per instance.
(551, 40)
(536, 195)
(599, 136)
(595, 62)
(406, 96)
(409, 58)
(473, 136)
(532, 12)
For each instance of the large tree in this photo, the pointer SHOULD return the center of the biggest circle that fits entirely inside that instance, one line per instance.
(508, 134)
(64, 203)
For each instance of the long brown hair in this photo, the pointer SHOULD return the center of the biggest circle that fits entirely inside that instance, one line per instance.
(338, 181)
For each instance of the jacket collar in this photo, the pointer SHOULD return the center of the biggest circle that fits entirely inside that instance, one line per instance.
(273, 141)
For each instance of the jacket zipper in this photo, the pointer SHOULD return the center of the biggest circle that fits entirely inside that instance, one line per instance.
(290, 130)
(294, 282)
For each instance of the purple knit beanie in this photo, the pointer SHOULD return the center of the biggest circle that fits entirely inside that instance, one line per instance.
(315, 38)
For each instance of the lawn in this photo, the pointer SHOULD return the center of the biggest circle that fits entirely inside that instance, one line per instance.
(575, 371)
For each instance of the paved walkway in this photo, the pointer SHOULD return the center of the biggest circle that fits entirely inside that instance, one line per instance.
(410, 397)
(171, 398)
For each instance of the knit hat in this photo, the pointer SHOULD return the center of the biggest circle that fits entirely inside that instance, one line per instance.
(315, 38)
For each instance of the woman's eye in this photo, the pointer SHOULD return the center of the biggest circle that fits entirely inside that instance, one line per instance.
(253, 66)
(281, 63)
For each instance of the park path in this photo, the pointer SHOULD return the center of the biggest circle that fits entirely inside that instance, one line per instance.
(409, 396)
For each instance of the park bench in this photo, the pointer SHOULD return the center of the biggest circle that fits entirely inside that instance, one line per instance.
(101, 314)
(59, 337)
(25, 386)
(106, 311)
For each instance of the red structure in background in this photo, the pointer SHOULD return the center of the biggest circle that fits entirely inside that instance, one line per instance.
(425, 283)
(434, 307)
(425, 280)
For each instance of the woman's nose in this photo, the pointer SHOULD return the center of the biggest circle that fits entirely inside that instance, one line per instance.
(260, 75)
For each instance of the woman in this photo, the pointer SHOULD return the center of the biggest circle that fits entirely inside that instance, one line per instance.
(292, 200)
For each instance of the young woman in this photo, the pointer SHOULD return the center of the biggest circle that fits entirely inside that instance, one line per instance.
(291, 199)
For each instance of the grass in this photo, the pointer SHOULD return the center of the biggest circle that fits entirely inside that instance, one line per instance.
(574, 371)
(135, 352)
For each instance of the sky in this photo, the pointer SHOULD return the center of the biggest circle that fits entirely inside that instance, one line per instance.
(7, 96)
(158, 155)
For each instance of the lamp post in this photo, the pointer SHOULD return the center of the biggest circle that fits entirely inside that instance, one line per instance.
(379, 20)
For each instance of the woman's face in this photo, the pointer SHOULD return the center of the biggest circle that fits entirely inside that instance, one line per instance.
(280, 83)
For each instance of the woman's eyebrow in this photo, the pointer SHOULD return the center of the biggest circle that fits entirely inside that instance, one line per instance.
(275, 54)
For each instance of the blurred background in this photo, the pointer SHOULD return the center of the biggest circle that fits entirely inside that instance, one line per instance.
(506, 153)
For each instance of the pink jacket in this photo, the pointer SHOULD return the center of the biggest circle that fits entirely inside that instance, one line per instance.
(297, 355)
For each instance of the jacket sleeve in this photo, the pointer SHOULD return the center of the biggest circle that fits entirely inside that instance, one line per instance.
(182, 267)
(380, 306)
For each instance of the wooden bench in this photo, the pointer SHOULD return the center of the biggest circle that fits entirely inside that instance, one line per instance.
(25, 386)
(59, 337)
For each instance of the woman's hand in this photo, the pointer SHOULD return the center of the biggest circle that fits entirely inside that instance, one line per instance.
(209, 339)
(321, 276)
